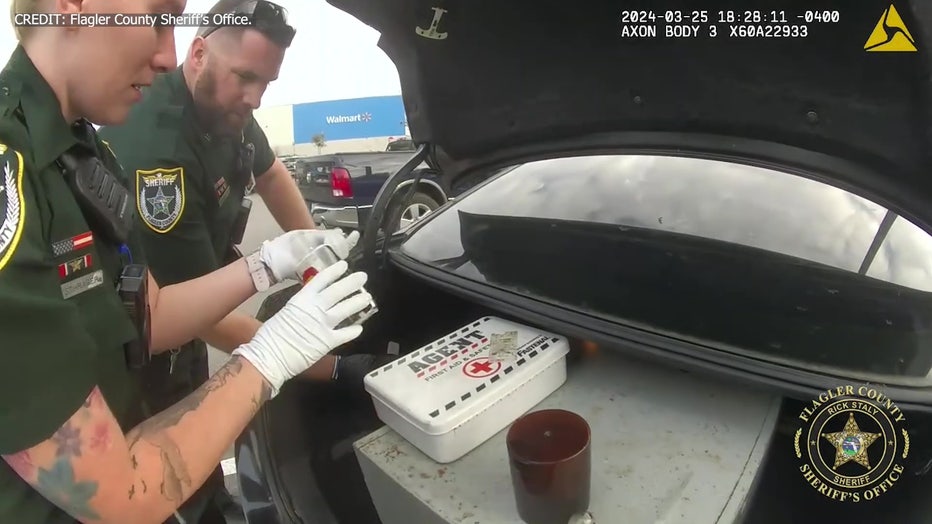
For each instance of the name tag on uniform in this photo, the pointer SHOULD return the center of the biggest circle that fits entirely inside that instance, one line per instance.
(222, 189)
(81, 284)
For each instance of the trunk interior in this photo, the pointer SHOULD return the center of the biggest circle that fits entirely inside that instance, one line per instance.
(311, 427)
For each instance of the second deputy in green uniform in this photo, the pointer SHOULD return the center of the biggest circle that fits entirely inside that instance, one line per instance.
(193, 149)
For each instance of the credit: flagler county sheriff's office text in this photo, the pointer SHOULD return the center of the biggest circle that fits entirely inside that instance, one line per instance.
(129, 19)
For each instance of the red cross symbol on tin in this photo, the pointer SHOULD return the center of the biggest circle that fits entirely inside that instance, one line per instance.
(481, 367)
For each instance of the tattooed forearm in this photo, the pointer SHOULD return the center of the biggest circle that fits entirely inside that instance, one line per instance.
(56, 479)
(264, 395)
(175, 476)
(232, 368)
(57, 482)
(176, 479)
(68, 440)
(59, 485)
(173, 415)
(133, 491)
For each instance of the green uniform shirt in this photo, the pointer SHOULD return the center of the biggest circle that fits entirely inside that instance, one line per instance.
(62, 321)
(188, 188)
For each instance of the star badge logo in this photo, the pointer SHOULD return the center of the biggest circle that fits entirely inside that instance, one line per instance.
(852, 443)
(160, 197)
(160, 203)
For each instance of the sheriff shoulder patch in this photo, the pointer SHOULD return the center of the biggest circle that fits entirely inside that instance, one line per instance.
(160, 197)
(12, 203)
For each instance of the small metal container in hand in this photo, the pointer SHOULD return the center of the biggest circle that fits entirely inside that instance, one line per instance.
(320, 259)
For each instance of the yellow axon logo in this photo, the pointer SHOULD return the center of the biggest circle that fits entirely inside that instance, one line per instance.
(890, 34)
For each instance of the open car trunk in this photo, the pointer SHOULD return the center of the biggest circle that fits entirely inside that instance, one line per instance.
(544, 78)
(296, 460)
(310, 428)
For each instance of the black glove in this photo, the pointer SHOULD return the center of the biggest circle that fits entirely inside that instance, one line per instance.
(352, 369)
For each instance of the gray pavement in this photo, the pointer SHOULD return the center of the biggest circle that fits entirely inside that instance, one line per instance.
(261, 226)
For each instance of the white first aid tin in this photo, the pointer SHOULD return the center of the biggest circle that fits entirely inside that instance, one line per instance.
(453, 394)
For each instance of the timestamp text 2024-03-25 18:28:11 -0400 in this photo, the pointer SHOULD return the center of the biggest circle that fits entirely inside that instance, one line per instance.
(713, 24)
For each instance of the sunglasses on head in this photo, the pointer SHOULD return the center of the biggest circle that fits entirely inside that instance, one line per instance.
(268, 18)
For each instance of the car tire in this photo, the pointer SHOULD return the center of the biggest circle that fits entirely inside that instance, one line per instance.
(404, 214)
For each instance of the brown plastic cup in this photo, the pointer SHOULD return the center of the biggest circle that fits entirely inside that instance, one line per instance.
(550, 461)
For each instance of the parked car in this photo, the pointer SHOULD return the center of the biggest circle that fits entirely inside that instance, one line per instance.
(741, 214)
(290, 161)
(400, 144)
(340, 188)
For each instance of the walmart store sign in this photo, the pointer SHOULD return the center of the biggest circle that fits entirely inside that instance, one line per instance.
(343, 119)
(349, 119)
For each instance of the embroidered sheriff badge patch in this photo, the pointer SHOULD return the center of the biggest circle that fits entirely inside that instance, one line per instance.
(160, 197)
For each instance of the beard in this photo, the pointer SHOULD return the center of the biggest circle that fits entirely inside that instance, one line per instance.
(211, 115)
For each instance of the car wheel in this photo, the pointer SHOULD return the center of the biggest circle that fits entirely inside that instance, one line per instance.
(407, 214)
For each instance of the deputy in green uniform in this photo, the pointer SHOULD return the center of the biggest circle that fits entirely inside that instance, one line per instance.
(193, 149)
(73, 440)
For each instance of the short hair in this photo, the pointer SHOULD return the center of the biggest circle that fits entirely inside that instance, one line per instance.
(279, 31)
(221, 7)
(28, 7)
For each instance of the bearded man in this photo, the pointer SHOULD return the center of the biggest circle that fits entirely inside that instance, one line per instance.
(196, 153)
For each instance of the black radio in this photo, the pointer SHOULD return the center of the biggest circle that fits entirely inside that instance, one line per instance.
(239, 224)
(133, 290)
(107, 205)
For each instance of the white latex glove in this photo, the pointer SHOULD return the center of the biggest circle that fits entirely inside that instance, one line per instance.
(283, 253)
(303, 331)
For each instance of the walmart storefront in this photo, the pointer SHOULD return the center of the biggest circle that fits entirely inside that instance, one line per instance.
(357, 124)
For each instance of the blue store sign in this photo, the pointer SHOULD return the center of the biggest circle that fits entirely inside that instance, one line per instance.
(347, 119)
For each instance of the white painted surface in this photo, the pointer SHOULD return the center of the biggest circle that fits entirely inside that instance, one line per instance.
(666, 447)
(278, 124)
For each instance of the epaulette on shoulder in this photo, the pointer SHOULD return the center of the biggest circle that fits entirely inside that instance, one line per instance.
(14, 138)
(169, 115)
(169, 123)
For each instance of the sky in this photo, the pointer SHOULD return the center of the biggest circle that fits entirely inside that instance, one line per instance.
(333, 56)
